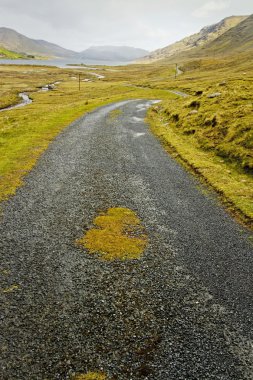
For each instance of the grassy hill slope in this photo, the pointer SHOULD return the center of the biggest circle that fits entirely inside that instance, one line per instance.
(14, 41)
(206, 34)
(237, 39)
(8, 54)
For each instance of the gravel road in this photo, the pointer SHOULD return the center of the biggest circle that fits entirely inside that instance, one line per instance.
(182, 311)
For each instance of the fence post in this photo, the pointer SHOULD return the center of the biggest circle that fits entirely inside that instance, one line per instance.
(176, 72)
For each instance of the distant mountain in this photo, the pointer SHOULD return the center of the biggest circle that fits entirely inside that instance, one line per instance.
(113, 53)
(20, 44)
(14, 41)
(237, 39)
(206, 35)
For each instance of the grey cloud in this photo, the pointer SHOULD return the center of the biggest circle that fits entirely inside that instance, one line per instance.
(77, 24)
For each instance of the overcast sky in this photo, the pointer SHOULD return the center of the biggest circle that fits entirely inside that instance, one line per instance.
(149, 24)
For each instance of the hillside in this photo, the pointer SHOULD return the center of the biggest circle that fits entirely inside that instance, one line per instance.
(113, 53)
(14, 41)
(205, 36)
(8, 54)
(237, 39)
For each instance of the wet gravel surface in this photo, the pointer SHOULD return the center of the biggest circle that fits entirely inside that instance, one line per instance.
(183, 311)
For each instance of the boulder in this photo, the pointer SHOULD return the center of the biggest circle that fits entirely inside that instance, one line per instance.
(193, 112)
(214, 95)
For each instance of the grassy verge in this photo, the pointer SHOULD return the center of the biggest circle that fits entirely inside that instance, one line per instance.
(212, 136)
(234, 186)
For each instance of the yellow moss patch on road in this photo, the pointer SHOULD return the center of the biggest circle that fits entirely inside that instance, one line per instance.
(118, 234)
(91, 376)
(11, 289)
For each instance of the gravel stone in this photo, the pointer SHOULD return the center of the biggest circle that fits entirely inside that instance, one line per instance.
(182, 311)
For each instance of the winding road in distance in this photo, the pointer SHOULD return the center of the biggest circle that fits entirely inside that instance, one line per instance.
(182, 311)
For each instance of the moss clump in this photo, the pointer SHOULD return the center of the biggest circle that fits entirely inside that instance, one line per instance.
(11, 289)
(224, 125)
(194, 104)
(118, 235)
(91, 376)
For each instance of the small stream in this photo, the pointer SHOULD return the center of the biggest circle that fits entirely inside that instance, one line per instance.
(25, 98)
(25, 101)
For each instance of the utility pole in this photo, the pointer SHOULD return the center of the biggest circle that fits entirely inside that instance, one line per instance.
(176, 71)
(79, 76)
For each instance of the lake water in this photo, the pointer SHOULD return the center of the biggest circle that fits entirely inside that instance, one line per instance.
(63, 63)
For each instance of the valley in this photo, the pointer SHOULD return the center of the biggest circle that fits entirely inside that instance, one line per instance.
(202, 124)
(126, 196)
(15, 45)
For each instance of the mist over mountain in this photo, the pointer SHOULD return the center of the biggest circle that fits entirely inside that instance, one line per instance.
(113, 53)
(233, 33)
(16, 42)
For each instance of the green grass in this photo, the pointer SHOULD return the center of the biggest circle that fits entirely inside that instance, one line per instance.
(222, 124)
(233, 185)
(213, 137)
(4, 53)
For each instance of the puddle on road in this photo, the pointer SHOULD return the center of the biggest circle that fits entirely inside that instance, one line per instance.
(142, 106)
(117, 235)
(145, 106)
(139, 134)
(137, 119)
